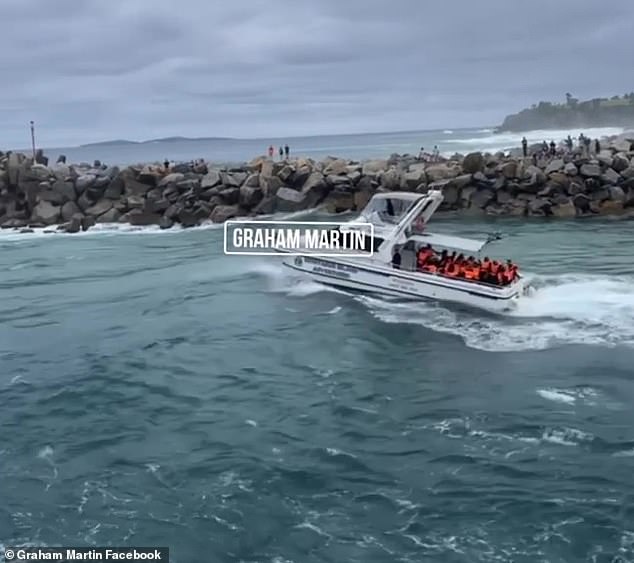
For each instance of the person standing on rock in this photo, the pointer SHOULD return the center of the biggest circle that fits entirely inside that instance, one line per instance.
(597, 146)
(281, 153)
(286, 150)
(271, 149)
(166, 164)
(553, 148)
(524, 147)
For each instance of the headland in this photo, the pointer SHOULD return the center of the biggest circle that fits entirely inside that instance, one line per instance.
(568, 183)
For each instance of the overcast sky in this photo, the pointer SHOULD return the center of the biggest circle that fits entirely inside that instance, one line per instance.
(91, 70)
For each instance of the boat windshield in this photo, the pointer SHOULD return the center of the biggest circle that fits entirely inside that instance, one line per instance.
(389, 210)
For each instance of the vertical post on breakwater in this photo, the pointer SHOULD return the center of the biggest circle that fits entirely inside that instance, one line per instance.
(33, 139)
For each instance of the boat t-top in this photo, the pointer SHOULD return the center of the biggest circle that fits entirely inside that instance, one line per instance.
(408, 262)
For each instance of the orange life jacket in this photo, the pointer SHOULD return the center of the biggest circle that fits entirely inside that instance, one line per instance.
(431, 268)
(486, 264)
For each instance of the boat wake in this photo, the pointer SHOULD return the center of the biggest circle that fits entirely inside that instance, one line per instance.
(560, 310)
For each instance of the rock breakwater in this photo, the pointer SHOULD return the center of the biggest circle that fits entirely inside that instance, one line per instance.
(75, 197)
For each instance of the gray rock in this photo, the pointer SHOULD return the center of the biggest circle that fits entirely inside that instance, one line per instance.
(46, 213)
(138, 217)
(411, 180)
(211, 179)
(270, 184)
(74, 223)
(115, 189)
(554, 166)
(252, 181)
(590, 170)
(84, 181)
(135, 202)
(620, 162)
(229, 180)
(250, 196)
(481, 198)
(509, 169)
(231, 196)
(69, 209)
(570, 169)
(223, 212)
(166, 223)
(473, 162)
(110, 216)
(51, 196)
(288, 200)
(610, 176)
(336, 167)
(564, 210)
(66, 189)
(87, 222)
(99, 208)
(172, 178)
(374, 167)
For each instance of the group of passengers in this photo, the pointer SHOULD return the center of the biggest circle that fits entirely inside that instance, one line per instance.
(469, 268)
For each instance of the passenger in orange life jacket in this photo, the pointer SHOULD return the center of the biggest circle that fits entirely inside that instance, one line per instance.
(424, 254)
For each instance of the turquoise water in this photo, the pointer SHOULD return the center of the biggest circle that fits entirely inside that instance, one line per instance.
(157, 392)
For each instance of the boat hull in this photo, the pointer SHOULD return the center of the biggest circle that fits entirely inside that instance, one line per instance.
(368, 277)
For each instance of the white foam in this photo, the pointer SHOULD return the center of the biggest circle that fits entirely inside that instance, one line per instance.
(571, 309)
(557, 396)
(501, 141)
(127, 229)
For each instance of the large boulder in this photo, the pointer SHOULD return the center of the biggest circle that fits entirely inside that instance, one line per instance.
(131, 185)
(509, 169)
(138, 217)
(590, 170)
(66, 189)
(69, 209)
(250, 196)
(211, 179)
(610, 176)
(288, 200)
(571, 169)
(84, 182)
(338, 201)
(110, 216)
(564, 210)
(472, 163)
(172, 178)
(222, 213)
(47, 213)
(620, 162)
(437, 172)
(374, 167)
(554, 165)
(391, 180)
(336, 167)
(99, 208)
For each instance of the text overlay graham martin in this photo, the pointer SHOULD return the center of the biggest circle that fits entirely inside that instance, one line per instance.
(272, 237)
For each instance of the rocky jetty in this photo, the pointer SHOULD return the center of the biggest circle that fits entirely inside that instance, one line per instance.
(33, 194)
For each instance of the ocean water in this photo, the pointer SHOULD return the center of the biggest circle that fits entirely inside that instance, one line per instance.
(156, 392)
(359, 147)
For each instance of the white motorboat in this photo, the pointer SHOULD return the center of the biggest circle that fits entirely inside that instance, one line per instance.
(399, 220)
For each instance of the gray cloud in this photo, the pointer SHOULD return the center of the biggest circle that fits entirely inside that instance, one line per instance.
(88, 70)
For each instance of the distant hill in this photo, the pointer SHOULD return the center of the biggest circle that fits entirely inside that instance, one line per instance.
(161, 140)
(617, 111)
